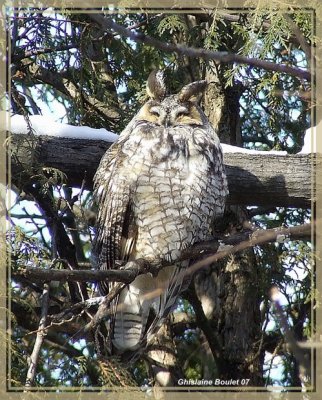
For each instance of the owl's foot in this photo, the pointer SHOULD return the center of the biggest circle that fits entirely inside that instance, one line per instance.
(141, 266)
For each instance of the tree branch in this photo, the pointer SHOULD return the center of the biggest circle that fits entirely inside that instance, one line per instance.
(39, 339)
(226, 246)
(299, 353)
(220, 56)
(266, 25)
(299, 36)
(62, 243)
(262, 179)
(65, 83)
(44, 50)
(257, 237)
(205, 325)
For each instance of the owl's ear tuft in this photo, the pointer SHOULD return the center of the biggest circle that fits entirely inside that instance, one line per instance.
(192, 92)
(155, 85)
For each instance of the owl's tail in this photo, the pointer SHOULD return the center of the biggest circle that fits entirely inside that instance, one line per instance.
(133, 308)
(145, 295)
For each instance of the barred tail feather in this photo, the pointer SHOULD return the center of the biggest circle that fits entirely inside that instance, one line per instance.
(134, 304)
(144, 295)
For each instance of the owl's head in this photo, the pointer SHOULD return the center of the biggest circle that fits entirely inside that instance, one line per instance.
(179, 109)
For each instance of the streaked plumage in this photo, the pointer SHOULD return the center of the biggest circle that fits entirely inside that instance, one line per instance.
(158, 189)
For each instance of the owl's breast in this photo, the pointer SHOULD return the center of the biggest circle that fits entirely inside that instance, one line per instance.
(176, 188)
(175, 203)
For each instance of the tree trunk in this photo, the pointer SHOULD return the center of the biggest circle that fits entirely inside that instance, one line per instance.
(230, 298)
(230, 301)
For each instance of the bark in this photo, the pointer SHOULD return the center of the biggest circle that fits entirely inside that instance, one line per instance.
(230, 301)
(254, 179)
(222, 109)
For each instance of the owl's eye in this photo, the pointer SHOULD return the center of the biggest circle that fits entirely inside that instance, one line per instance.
(155, 111)
(182, 111)
(181, 114)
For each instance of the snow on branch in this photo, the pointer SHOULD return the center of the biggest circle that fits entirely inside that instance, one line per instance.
(260, 178)
(46, 126)
(309, 145)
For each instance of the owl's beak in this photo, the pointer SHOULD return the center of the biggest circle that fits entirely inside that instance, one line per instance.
(167, 122)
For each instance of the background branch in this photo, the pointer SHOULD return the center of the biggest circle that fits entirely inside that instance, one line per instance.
(300, 354)
(33, 361)
(220, 56)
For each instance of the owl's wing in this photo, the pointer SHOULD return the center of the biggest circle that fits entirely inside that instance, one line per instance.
(116, 233)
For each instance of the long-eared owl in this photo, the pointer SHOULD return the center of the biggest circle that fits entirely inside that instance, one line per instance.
(159, 189)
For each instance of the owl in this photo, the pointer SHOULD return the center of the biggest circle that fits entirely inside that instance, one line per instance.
(159, 189)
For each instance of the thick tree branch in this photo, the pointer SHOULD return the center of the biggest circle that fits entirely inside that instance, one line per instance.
(254, 179)
(220, 56)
